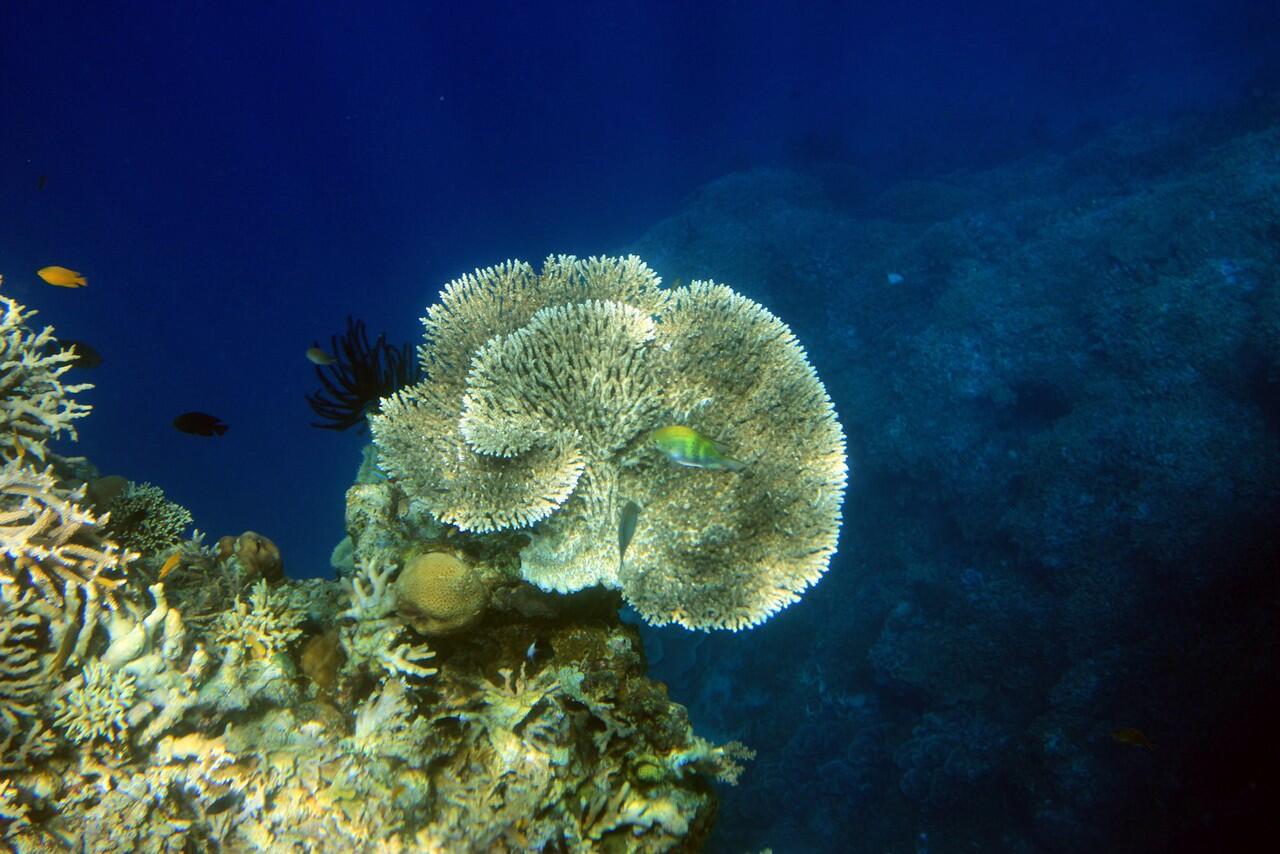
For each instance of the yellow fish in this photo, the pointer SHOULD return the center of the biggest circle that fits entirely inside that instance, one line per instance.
(316, 356)
(687, 447)
(62, 277)
(170, 563)
(1131, 736)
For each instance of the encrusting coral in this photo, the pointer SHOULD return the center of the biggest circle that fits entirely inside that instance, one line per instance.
(540, 394)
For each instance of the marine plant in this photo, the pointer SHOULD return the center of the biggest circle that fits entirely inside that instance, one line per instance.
(540, 394)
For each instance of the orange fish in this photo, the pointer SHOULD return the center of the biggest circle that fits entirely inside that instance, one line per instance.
(1131, 736)
(170, 562)
(62, 277)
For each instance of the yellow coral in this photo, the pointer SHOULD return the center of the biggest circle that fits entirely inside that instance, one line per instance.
(438, 593)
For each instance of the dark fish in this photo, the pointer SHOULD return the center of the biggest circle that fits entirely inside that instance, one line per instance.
(200, 424)
(627, 528)
(44, 179)
(86, 356)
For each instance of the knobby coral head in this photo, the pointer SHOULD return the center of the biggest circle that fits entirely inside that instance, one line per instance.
(541, 392)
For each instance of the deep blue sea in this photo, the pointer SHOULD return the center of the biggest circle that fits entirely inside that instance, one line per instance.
(1032, 248)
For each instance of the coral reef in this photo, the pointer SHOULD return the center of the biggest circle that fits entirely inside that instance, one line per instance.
(540, 391)
(255, 555)
(193, 698)
(51, 543)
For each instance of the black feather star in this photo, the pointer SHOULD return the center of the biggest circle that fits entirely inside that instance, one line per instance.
(360, 376)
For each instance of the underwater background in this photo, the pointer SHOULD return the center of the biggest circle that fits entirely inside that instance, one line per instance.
(1032, 249)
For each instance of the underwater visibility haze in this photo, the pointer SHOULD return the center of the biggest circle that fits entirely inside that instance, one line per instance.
(568, 427)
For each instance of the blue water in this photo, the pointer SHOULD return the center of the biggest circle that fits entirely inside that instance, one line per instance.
(237, 178)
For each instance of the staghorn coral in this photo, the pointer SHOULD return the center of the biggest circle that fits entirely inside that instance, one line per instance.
(263, 625)
(35, 404)
(142, 519)
(539, 395)
(51, 543)
(96, 705)
(22, 677)
(439, 593)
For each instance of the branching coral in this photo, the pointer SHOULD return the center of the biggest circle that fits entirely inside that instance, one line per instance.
(35, 404)
(142, 519)
(96, 705)
(540, 393)
(371, 634)
(262, 626)
(22, 640)
(50, 542)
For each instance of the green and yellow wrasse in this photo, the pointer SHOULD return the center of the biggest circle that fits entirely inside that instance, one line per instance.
(687, 447)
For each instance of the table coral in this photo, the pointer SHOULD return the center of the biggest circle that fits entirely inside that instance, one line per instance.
(540, 392)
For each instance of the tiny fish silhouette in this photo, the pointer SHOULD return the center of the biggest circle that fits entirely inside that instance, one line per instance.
(200, 424)
(61, 277)
(316, 356)
(687, 447)
(44, 179)
(1131, 736)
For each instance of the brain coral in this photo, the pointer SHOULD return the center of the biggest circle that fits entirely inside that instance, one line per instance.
(540, 394)
(439, 593)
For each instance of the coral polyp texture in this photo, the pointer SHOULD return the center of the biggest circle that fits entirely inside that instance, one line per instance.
(540, 394)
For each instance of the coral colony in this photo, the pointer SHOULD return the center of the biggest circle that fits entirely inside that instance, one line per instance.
(466, 683)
